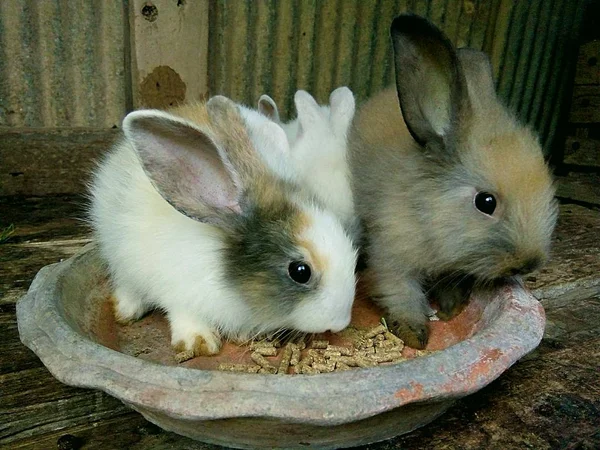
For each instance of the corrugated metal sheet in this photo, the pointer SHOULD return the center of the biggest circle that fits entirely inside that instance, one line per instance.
(62, 63)
(278, 46)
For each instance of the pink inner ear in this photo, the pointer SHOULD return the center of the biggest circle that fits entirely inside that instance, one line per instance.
(205, 179)
(267, 107)
(185, 165)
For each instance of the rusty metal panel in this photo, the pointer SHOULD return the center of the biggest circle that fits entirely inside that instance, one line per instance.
(65, 63)
(536, 66)
(278, 46)
(62, 63)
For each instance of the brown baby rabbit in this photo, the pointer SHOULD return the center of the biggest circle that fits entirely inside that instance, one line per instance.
(450, 189)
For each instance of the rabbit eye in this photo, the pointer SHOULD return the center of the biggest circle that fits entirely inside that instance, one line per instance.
(485, 202)
(299, 272)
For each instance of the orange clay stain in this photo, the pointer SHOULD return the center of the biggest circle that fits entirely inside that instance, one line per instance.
(481, 369)
(149, 338)
(407, 395)
(106, 331)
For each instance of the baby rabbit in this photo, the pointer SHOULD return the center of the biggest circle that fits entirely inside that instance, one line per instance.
(450, 189)
(318, 155)
(192, 222)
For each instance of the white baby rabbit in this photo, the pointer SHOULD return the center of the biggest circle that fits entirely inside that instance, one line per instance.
(191, 221)
(450, 188)
(318, 148)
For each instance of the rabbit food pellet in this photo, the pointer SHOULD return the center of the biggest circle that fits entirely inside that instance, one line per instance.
(248, 368)
(266, 351)
(184, 356)
(296, 353)
(379, 329)
(319, 344)
(286, 359)
(367, 348)
(261, 361)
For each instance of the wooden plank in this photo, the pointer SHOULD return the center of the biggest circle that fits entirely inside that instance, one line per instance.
(585, 107)
(46, 230)
(128, 431)
(580, 187)
(575, 252)
(169, 51)
(14, 356)
(30, 387)
(582, 151)
(588, 64)
(35, 162)
(20, 262)
(32, 402)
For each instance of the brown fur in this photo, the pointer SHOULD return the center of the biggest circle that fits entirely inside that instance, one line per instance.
(227, 127)
(317, 260)
(416, 203)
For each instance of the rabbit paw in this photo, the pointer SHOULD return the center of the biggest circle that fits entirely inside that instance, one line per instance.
(452, 298)
(450, 308)
(200, 341)
(413, 331)
(128, 307)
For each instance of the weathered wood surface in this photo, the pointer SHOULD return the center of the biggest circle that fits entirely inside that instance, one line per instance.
(550, 399)
(585, 107)
(169, 52)
(34, 162)
(582, 151)
(587, 70)
(579, 187)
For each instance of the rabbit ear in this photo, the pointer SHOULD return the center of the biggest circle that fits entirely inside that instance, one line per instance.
(185, 163)
(342, 105)
(232, 134)
(309, 112)
(268, 107)
(430, 83)
(478, 72)
(270, 136)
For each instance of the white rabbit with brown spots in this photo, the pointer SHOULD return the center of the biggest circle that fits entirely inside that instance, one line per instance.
(191, 221)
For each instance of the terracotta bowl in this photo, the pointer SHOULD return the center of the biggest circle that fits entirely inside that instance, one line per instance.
(66, 319)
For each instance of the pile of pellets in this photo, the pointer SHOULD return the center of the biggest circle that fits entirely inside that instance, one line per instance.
(372, 347)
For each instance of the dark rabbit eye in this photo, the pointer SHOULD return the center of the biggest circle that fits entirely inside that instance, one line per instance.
(299, 272)
(485, 202)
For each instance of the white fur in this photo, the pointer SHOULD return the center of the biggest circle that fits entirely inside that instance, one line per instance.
(154, 252)
(330, 310)
(158, 257)
(318, 155)
(271, 142)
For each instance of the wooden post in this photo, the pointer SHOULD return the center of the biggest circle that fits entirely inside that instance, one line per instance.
(169, 51)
